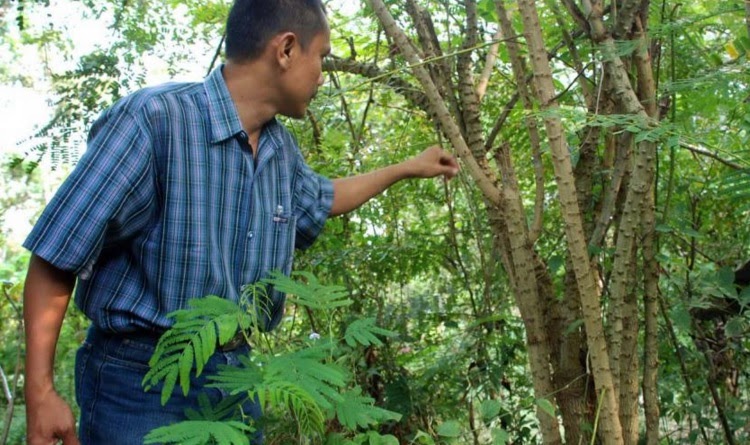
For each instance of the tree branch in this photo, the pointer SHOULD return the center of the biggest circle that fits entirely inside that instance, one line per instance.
(216, 54)
(500, 121)
(704, 152)
(372, 72)
(522, 80)
(488, 185)
(489, 65)
(626, 13)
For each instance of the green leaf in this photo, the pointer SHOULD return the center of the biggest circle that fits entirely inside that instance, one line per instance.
(546, 406)
(424, 438)
(202, 432)
(169, 382)
(185, 364)
(356, 410)
(735, 327)
(310, 293)
(681, 317)
(499, 436)
(726, 277)
(572, 327)
(376, 438)
(450, 428)
(191, 341)
(663, 228)
(745, 297)
(363, 332)
(489, 409)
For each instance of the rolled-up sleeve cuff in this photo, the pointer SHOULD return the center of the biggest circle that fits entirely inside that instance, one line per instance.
(311, 223)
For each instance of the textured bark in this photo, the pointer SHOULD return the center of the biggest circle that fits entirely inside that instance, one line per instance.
(411, 93)
(651, 334)
(468, 99)
(487, 185)
(576, 394)
(519, 73)
(629, 360)
(527, 297)
(621, 147)
(439, 68)
(642, 179)
(626, 14)
(624, 334)
(489, 66)
(611, 430)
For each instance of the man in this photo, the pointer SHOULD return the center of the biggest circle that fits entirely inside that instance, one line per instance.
(185, 190)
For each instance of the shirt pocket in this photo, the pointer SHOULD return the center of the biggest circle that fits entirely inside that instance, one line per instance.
(271, 242)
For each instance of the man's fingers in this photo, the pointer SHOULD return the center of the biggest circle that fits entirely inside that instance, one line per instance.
(450, 165)
(70, 437)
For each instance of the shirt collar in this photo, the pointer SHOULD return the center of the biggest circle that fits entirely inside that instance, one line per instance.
(225, 121)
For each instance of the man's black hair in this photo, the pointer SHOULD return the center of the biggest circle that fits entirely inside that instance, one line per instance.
(252, 23)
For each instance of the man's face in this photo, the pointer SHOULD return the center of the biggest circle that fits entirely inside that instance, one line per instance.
(305, 75)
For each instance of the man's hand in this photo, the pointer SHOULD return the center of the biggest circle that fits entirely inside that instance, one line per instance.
(49, 419)
(350, 193)
(432, 162)
(45, 299)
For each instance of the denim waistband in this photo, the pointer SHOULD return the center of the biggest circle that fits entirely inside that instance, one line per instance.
(96, 334)
(151, 338)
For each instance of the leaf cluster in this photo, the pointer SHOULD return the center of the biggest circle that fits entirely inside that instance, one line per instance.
(307, 384)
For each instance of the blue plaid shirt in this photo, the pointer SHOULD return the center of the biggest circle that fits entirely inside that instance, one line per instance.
(168, 204)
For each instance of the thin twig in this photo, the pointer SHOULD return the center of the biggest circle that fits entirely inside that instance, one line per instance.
(501, 121)
(216, 54)
(704, 152)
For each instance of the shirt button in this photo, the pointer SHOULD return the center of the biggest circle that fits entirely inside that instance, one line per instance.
(250, 234)
(243, 135)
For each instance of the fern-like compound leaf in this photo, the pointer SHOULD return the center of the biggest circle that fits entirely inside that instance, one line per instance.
(238, 379)
(364, 332)
(310, 293)
(356, 410)
(191, 342)
(202, 432)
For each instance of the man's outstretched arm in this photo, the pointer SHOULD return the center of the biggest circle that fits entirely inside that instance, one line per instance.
(46, 295)
(350, 193)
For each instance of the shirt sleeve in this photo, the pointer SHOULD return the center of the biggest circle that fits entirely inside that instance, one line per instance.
(314, 194)
(107, 197)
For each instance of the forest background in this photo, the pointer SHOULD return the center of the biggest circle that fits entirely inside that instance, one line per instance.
(581, 280)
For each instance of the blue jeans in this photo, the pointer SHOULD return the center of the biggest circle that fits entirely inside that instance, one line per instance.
(115, 409)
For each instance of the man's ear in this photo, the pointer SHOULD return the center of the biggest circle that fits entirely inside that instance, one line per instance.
(286, 48)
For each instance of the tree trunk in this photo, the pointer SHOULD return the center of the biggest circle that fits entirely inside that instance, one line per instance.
(651, 313)
(486, 184)
(527, 298)
(610, 428)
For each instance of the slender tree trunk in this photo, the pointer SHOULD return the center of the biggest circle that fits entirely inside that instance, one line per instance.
(642, 179)
(519, 73)
(528, 299)
(651, 314)
(576, 394)
(577, 245)
(468, 141)
(486, 184)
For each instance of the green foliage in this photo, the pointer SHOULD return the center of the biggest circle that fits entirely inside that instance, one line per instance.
(363, 332)
(450, 428)
(421, 259)
(192, 341)
(310, 293)
(194, 432)
(307, 383)
(356, 410)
